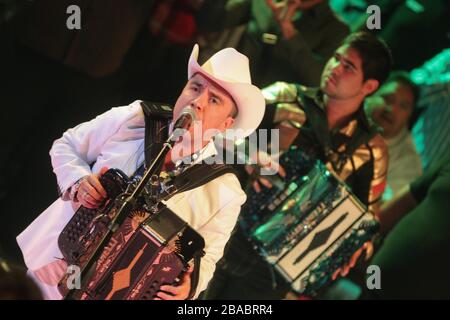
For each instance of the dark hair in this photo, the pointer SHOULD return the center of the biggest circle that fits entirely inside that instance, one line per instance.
(403, 78)
(375, 55)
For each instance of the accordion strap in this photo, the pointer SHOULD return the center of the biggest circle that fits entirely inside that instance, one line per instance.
(194, 177)
(362, 134)
(198, 175)
(157, 118)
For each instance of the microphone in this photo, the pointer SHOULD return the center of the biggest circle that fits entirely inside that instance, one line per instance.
(185, 119)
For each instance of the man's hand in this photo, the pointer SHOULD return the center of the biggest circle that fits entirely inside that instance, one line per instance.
(90, 192)
(264, 161)
(180, 292)
(343, 271)
(284, 14)
(278, 8)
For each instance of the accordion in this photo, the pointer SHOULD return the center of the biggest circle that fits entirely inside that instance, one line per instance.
(147, 251)
(310, 227)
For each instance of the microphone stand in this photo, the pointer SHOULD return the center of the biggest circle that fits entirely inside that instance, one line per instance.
(121, 215)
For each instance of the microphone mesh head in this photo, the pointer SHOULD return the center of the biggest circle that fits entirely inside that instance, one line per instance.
(188, 110)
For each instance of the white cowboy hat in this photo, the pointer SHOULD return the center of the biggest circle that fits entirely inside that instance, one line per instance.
(230, 70)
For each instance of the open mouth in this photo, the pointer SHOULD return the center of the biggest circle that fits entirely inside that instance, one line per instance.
(330, 79)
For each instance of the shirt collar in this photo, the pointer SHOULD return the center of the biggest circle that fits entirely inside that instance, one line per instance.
(197, 157)
(350, 127)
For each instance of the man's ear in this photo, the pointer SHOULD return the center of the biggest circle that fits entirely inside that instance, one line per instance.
(228, 123)
(370, 86)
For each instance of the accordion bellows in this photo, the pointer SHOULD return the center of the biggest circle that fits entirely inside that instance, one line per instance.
(309, 227)
(146, 252)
